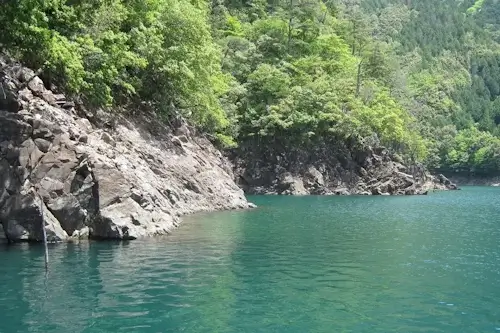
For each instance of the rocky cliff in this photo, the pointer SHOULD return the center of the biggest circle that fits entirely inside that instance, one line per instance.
(474, 180)
(115, 179)
(330, 168)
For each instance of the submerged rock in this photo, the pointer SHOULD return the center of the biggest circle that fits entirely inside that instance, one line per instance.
(125, 180)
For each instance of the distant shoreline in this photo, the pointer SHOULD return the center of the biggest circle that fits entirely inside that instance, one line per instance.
(475, 180)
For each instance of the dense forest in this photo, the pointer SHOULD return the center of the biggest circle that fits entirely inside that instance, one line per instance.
(420, 77)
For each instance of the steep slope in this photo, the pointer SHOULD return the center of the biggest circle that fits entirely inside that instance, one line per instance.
(132, 178)
(331, 168)
(319, 89)
(449, 55)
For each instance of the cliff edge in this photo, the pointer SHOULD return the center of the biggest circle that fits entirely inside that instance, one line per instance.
(130, 179)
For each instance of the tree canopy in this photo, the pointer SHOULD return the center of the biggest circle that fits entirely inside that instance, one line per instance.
(420, 77)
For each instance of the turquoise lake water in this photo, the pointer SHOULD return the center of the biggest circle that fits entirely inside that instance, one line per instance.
(295, 265)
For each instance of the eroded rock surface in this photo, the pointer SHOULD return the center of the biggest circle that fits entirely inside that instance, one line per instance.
(85, 180)
(330, 169)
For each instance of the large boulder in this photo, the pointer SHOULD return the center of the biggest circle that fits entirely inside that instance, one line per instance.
(128, 220)
(68, 211)
(113, 186)
(446, 182)
(314, 180)
(23, 216)
(290, 185)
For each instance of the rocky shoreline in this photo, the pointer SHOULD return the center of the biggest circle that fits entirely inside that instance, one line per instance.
(475, 180)
(101, 176)
(119, 179)
(332, 169)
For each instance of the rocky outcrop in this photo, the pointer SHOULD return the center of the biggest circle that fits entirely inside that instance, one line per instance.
(469, 179)
(330, 169)
(128, 179)
(445, 183)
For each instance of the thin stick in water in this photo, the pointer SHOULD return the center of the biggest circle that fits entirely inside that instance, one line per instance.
(44, 236)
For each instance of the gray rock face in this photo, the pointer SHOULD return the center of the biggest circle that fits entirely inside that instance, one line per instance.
(289, 185)
(84, 181)
(22, 216)
(330, 169)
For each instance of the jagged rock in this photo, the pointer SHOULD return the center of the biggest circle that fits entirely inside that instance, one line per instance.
(108, 139)
(22, 74)
(182, 131)
(57, 164)
(14, 129)
(29, 155)
(314, 180)
(43, 133)
(83, 233)
(8, 99)
(73, 133)
(84, 124)
(83, 138)
(113, 186)
(289, 185)
(446, 182)
(22, 217)
(67, 210)
(42, 144)
(125, 183)
(373, 171)
(36, 86)
(127, 220)
(48, 97)
(50, 188)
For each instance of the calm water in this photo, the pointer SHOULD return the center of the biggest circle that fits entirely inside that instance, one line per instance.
(303, 264)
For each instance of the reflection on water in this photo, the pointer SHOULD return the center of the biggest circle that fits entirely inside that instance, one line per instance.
(308, 264)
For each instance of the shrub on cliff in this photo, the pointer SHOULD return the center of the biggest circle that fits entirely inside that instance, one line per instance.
(119, 52)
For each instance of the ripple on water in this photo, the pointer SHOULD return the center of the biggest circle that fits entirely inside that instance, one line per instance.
(333, 264)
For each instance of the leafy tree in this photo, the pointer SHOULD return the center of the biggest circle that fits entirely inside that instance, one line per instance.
(420, 76)
(121, 52)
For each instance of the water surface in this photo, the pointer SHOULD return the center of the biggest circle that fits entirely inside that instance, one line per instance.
(295, 265)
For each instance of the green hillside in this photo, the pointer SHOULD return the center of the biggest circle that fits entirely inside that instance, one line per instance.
(420, 77)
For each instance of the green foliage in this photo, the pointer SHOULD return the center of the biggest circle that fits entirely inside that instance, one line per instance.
(474, 151)
(448, 76)
(120, 52)
(421, 77)
(307, 75)
(477, 6)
